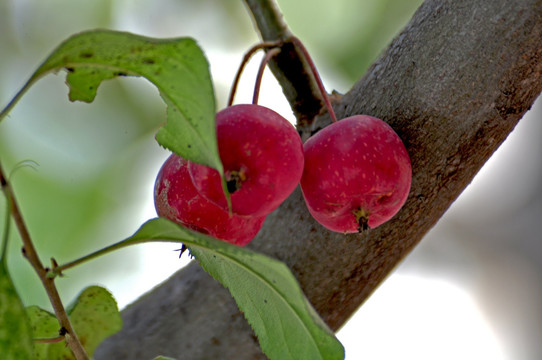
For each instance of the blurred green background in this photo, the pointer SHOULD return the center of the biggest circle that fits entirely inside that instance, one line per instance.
(97, 162)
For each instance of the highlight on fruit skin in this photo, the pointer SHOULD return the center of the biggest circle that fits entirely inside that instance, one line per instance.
(176, 199)
(357, 174)
(262, 155)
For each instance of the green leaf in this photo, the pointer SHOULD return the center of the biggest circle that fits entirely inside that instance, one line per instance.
(177, 67)
(265, 290)
(15, 330)
(94, 316)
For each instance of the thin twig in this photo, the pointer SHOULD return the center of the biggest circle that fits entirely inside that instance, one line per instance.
(5, 235)
(49, 340)
(32, 256)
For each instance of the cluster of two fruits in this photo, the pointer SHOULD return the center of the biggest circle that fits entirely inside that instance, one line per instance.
(354, 174)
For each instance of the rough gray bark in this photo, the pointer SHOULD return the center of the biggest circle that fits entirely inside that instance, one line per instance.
(453, 85)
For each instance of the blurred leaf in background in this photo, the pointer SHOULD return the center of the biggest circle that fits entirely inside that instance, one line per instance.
(94, 315)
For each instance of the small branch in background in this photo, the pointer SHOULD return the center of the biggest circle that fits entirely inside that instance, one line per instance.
(290, 67)
(268, 19)
(30, 253)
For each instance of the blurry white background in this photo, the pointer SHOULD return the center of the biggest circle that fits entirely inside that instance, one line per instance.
(471, 290)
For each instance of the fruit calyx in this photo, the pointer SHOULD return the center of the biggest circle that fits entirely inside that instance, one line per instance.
(262, 156)
(362, 219)
(235, 179)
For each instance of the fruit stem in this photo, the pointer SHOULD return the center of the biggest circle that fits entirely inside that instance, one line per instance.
(246, 58)
(259, 76)
(314, 71)
(277, 44)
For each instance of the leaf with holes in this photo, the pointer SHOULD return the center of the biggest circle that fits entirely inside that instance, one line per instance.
(177, 67)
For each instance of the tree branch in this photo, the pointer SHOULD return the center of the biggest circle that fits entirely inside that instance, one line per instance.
(453, 85)
(31, 254)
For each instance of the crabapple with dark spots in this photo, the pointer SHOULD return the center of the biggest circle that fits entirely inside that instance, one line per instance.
(176, 199)
(357, 174)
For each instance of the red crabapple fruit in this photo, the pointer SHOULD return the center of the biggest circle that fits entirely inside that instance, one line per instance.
(357, 174)
(262, 155)
(176, 199)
